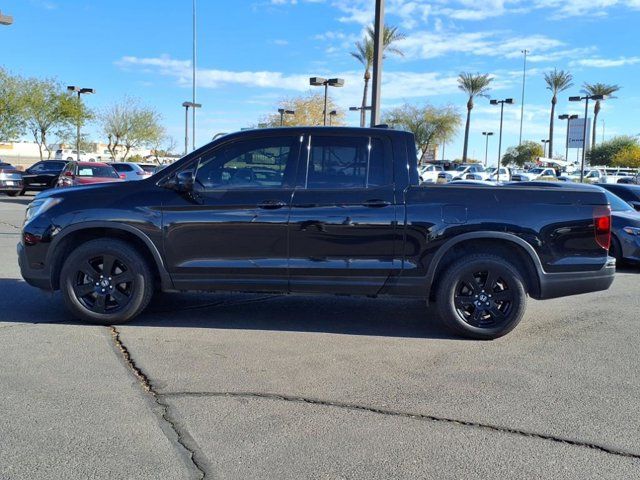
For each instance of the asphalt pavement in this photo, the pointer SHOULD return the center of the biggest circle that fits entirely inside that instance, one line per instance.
(235, 386)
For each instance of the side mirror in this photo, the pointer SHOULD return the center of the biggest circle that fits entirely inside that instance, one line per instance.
(184, 181)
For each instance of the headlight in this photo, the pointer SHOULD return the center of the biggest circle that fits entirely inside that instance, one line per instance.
(632, 230)
(39, 206)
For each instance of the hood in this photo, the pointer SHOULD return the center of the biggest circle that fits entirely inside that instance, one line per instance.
(116, 186)
(92, 180)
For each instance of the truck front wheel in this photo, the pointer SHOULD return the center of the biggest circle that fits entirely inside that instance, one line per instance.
(106, 281)
(481, 296)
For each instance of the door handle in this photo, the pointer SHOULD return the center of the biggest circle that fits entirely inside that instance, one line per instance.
(376, 203)
(271, 204)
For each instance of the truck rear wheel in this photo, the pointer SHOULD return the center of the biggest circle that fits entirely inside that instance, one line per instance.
(106, 281)
(481, 296)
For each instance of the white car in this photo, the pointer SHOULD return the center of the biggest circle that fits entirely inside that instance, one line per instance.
(505, 174)
(429, 173)
(478, 171)
(537, 173)
(69, 155)
(130, 170)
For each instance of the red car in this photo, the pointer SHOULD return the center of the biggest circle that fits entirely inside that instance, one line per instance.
(87, 173)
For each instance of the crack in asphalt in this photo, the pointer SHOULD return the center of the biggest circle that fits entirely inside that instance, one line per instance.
(7, 224)
(396, 413)
(180, 433)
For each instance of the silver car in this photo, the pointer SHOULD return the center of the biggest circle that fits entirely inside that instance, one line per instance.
(10, 179)
(130, 170)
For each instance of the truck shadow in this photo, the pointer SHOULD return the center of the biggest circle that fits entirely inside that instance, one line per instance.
(20, 303)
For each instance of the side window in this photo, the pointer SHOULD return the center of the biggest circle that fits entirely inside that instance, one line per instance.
(348, 162)
(256, 163)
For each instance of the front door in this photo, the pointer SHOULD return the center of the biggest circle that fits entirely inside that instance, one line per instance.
(230, 232)
(343, 235)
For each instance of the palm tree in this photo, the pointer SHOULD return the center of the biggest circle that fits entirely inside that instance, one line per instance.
(475, 86)
(364, 54)
(557, 81)
(599, 89)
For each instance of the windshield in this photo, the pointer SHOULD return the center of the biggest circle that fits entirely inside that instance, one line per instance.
(461, 168)
(97, 171)
(536, 170)
(617, 204)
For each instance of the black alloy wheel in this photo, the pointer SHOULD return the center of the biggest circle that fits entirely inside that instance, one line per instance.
(481, 296)
(106, 281)
(104, 284)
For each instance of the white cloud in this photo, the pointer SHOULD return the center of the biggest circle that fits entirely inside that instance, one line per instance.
(606, 62)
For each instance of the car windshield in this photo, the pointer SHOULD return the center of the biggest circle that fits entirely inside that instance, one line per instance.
(617, 204)
(148, 168)
(536, 170)
(97, 171)
(461, 168)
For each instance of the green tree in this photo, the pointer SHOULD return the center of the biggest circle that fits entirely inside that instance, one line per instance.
(428, 124)
(599, 89)
(526, 152)
(557, 81)
(364, 54)
(308, 111)
(12, 112)
(604, 153)
(129, 125)
(474, 86)
(49, 110)
(628, 156)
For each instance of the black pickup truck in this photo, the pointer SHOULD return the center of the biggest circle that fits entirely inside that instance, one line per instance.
(317, 210)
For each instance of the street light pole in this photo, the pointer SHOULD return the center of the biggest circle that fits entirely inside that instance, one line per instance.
(331, 82)
(586, 99)
(186, 106)
(193, 86)
(378, 50)
(284, 112)
(568, 118)
(508, 101)
(332, 114)
(486, 147)
(79, 91)
(544, 147)
(524, 76)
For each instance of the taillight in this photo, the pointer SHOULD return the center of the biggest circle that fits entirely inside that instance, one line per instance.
(602, 226)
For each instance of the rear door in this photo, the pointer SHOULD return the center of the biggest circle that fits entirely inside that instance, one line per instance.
(342, 228)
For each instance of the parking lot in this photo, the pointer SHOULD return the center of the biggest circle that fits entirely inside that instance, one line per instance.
(252, 386)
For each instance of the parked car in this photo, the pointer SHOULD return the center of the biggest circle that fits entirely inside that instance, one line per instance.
(505, 174)
(130, 170)
(463, 170)
(634, 180)
(628, 193)
(150, 168)
(533, 174)
(87, 173)
(69, 155)
(344, 214)
(10, 179)
(42, 175)
(429, 173)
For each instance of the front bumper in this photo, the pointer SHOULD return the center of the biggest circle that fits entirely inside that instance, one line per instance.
(35, 277)
(554, 285)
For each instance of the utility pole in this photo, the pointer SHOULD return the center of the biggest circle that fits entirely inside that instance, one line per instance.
(377, 62)
(524, 77)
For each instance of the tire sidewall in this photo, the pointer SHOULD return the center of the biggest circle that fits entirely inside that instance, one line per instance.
(141, 281)
(446, 295)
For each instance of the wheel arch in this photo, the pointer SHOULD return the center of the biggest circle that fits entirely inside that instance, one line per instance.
(508, 245)
(75, 235)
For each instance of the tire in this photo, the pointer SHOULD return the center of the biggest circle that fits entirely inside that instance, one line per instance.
(108, 302)
(615, 250)
(469, 307)
(12, 194)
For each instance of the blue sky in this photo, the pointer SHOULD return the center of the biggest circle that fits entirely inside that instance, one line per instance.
(253, 53)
